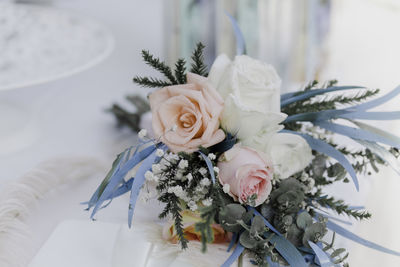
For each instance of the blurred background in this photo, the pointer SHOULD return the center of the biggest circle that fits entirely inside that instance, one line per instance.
(63, 63)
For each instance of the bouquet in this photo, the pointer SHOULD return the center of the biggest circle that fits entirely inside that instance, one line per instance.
(234, 161)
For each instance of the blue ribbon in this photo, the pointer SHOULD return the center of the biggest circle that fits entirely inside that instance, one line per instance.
(288, 251)
(355, 133)
(322, 259)
(209, 166)
(234, 256)
(233, 241)
(362, 115)
(349, 235)
(323, 115)
(322, 147)
(119, 175)
(240, 42)
(138, 182)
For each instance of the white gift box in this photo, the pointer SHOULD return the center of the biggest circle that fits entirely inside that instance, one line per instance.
(97, 244)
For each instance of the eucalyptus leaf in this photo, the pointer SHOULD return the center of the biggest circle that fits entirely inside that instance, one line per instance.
(314, 233)
(247, 241)
(304, 220)
(257, 226)
(337, 252)
(230, 215)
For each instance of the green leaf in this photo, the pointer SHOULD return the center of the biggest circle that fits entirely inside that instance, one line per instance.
(257, 226)
(304, 220)
(337, 252)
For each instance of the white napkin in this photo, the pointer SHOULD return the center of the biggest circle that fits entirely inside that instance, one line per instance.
(78, 244)
(96, 244)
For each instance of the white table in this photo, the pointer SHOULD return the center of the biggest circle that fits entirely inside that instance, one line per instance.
(74, 123)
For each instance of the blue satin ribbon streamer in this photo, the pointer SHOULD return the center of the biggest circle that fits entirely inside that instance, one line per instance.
(322, 259)
(377, 131)
(209, 166)
(362, 115)
(324, 148)
(290, 98)
(119, 175)
(355, 133)
(138, 183)
(323, 115)
(233, 241)
(349, 235)
(115, 167)
(288, 251)
(234, 256)
(240, 42)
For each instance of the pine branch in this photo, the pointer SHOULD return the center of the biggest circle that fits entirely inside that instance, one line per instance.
(355, 99)
(180, 70)
(341, 208)
(158, 65)
(176, 214)
(150, 82)
(198, 66)
(173, 207)
(327, 102)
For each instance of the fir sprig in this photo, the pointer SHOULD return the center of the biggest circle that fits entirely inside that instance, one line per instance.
(339, 206)
(327, 102)
(180, 71)
(159, 65)
(178, 76)
(198, 66)
(150, 82)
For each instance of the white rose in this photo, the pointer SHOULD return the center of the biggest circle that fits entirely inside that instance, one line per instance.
(251, 90)
(253, 82)
(289, 153)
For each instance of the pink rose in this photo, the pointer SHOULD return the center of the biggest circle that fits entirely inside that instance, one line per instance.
(187, 116)
(246, 173)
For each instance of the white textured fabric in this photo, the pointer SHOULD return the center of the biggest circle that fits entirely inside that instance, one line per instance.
(20, 196)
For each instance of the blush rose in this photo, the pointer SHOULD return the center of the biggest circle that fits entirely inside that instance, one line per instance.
(187, 116)
(248, 173)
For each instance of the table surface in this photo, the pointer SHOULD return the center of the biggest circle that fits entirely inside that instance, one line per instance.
(70, 119)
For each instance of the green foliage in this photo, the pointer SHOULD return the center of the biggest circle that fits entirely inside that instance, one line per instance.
(324, 102)
(159, 65)
(129, 118)
(198, 66)
(231, 216)
(178, 76)
(180, 71)
(288, 197)
(339, 206)
(256, 237)
(150, 82)
(338, 256)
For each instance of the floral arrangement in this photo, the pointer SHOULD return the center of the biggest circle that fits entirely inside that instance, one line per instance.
(234, 161)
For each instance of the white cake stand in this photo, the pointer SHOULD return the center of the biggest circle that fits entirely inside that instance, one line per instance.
(38, 45)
